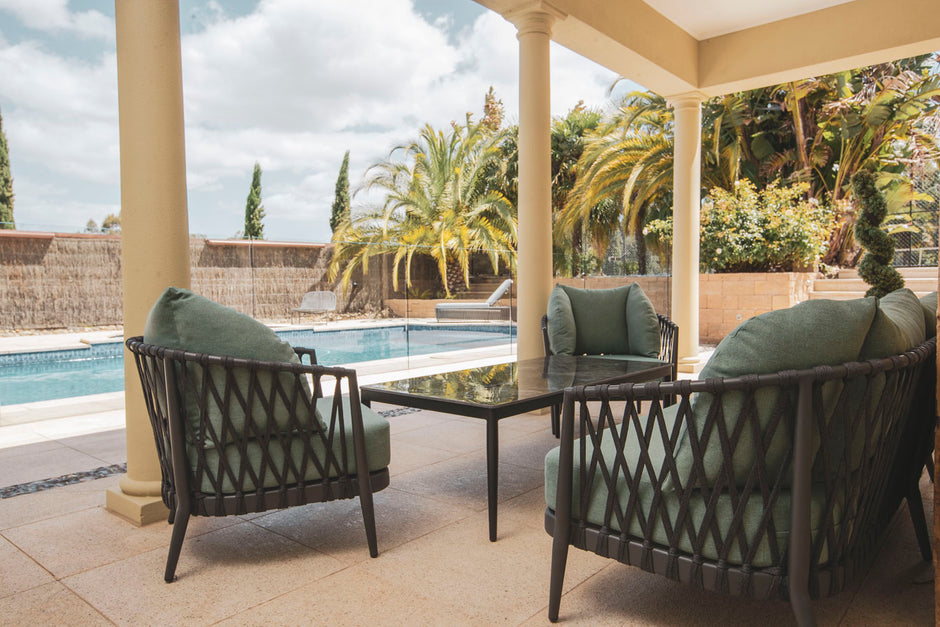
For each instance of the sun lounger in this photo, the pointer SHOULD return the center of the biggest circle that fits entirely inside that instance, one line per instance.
(476, 311)
(316, 302)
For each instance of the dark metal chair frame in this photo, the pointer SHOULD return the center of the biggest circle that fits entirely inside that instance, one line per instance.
(171, 377)
(668, 341)
(896, 429)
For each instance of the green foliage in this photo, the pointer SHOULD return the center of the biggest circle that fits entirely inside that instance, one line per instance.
(254, 210)
(111, 224)
(776, 229)
(6, 184)
(817, 131)
(567, 145)
(875, 268)
(340, 209)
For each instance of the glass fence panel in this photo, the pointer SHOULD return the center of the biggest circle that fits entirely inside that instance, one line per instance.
(381, 318)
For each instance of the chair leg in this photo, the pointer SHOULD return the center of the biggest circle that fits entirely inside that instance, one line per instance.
(559, 561)
(180, 521)
(555, 411)
(916, 507)
(802, 609)
(368, 513)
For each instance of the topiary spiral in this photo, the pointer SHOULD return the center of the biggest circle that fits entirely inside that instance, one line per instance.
(875, 268)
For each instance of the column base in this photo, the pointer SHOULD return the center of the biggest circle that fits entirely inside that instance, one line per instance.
(690, 365)
(138, 510)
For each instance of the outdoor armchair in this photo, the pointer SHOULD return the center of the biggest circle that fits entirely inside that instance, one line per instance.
(770, 476)
(236, 435)
(618, 323)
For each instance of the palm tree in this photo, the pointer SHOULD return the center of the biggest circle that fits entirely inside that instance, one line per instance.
(438, 202)
(567, 144)
(818, 131)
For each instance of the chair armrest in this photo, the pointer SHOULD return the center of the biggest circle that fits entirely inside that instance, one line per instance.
(669, 343)
(310, 352)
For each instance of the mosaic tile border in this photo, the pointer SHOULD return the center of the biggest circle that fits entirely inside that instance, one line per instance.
(115, 469)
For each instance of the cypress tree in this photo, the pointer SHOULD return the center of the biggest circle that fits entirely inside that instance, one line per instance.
(6, 184)
(340, 210)
(254, 210)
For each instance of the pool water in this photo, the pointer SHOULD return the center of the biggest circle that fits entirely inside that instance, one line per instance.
(41, 376)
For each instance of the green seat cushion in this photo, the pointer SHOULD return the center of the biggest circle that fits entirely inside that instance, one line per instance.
(620, 321)
(378, 453)
(897, 327)
(812, 333)
(719, 542)
(186, 321)
(929, 304)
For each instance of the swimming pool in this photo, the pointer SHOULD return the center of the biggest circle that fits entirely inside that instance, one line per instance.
(48, 375)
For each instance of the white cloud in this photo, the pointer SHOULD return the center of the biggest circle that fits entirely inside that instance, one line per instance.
(292, 85)
(54, 16)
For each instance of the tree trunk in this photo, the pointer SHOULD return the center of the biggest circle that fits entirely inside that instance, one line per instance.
(577, 250)
(640, 251)
(454, 276)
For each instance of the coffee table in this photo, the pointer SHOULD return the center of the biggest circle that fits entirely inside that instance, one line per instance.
(509, 389)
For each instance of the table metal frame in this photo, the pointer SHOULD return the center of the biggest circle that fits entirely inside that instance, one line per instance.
(494, 413)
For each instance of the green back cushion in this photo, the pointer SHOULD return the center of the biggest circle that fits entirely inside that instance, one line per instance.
(642, 323)
(561, 326)
(617, 321)
(897, 327)
(600, 320)
(813, 333)
(186, 321)
(929, 304)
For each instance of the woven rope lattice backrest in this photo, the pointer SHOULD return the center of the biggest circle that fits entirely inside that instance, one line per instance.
(630, 482)
(250, 428)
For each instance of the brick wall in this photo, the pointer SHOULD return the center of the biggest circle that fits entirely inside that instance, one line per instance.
(728, 299)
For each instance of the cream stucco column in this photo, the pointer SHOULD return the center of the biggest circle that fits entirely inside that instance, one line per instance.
(687, 183)
(534, 260)
(154, 219)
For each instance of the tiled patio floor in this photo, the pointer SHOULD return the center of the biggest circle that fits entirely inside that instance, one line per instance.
(65, 560)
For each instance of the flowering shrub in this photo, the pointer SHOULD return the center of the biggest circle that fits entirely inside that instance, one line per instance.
(776, 229)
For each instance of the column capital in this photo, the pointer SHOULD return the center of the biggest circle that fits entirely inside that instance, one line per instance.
(685, 100)
(535, 16)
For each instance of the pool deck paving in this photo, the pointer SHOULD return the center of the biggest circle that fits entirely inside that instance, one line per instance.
(65, 559)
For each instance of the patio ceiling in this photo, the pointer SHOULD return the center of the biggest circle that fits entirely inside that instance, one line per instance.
(678, 46)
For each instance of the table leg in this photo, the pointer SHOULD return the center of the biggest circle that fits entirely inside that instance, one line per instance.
(492, 471)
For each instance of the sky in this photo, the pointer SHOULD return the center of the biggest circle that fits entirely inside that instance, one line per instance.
(290, 84)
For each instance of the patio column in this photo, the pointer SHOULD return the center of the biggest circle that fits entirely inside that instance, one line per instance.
(154, 218)
(534, 259)
(687, 184)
